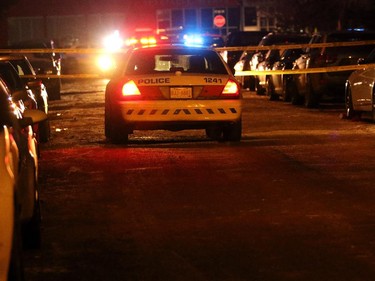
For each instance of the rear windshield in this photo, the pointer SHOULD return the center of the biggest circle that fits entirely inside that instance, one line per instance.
(149, 61)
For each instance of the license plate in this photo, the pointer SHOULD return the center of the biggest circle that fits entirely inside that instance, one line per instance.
(181, 93)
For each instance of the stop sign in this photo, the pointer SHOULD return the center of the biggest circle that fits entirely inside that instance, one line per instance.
(219, 21)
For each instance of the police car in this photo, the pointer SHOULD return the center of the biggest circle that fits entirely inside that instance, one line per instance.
(19, 190)
(173, 87)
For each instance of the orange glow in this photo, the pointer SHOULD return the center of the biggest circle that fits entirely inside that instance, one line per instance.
(130, 89)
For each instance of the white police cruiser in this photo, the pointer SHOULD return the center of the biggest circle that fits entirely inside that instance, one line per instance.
(173, 87)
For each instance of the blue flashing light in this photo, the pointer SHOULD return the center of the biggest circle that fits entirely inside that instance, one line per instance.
(193, 39)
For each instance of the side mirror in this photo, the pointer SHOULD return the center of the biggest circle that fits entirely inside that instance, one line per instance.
(35, 115)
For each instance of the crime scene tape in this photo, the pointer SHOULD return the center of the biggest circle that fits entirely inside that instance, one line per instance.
(65, 76)
(238, 73)
(298, 46)
(61, 51)
(308, 70)
(244, 48)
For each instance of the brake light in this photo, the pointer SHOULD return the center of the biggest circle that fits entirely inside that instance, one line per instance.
(130, 89)
(231, 88)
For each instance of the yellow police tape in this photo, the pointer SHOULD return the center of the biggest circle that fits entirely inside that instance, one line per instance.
(65, 76)
(238, 73)
(298, 46)
(308, 70)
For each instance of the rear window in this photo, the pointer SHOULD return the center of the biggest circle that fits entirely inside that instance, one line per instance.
(149, 61)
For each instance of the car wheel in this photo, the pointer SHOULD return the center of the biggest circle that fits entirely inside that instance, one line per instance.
(287, 89)
(214, 132)
(271, 90)
(114, 131)
(349, 110)
(44, 131)
(245, 82)
(233, 131)
(259, 89)
(54, 89)
(295, 97)
(31, 232)
(16, 271)
(311, 98)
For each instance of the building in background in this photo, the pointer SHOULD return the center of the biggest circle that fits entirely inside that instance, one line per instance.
(90, 20)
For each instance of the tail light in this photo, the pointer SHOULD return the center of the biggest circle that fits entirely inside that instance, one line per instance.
(130, 89)
(231, 89)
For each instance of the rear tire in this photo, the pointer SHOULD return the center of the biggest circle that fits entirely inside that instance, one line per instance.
(350, 113)
(31, 233)
(311, 98)
(54, 89)
(16, 271)
(214, 132)
(233, 132)
(114, 131)
(271, 90)
(44, 131)
(287, 89)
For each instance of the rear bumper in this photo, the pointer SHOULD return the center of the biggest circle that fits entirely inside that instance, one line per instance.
(184, 111)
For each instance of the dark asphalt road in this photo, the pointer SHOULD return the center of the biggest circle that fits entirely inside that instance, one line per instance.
(292, 201)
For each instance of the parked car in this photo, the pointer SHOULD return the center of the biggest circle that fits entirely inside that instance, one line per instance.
(360, 90)
(32, 92)
(19, 191)
(279, 85)
(240, 39)
(311, 88)
(264, 60)
(173, 88)
(243, 64)
(45, 64)
(27, 74)
(10, 234)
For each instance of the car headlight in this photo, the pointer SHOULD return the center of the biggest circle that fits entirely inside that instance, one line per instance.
(105, 62)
